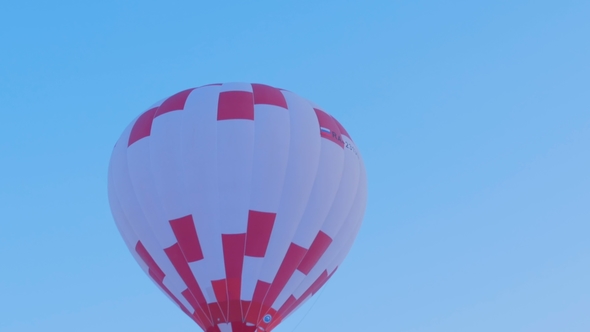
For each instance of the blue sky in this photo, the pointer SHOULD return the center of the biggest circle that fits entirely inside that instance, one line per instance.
(473, 119)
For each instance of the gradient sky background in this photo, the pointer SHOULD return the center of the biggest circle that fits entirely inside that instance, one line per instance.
(473, 119)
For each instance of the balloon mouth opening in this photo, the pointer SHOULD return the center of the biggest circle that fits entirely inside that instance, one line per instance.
(239, 326)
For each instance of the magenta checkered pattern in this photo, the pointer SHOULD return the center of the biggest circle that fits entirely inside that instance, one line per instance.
(239, 200)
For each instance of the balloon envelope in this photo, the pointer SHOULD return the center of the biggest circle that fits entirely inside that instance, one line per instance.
(238, 200)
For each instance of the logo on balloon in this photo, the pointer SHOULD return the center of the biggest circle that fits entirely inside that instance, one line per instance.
(267, 318)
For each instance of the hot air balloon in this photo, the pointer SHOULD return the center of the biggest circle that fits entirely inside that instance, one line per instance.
(238, 200)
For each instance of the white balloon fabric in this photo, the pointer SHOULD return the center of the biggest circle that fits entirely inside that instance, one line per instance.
(238, 200)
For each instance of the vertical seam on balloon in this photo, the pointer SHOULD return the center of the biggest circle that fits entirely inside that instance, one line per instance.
(362, 189)
(206, 311)
(331, 204)
(208, 276)
(110, 175)
(214, 223)
(218, 214)
(148, 225)
(160, 194)
(330, 210)
(130, 225)
(249, 199)
(245, 312)
(353, 234)
(296, 227)
(279, 204)
(357, 194)
(259, 268)
(126, 218)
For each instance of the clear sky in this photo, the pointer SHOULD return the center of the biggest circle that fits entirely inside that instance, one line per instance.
(473, 118)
